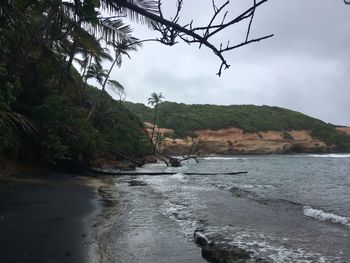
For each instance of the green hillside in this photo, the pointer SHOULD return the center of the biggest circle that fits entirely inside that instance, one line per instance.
(42, 124)
(187, 118)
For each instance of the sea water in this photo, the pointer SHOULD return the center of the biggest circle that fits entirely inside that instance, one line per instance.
(287, 208)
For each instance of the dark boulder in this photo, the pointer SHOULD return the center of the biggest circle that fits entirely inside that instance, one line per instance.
(200, 239)
(262, 260)
(175, 162)
(223, 253)
(136, 183)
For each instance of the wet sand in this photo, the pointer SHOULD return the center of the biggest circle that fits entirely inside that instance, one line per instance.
(47, 218)
(140, 233)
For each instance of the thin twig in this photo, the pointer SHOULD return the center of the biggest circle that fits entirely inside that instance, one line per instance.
(250, 22)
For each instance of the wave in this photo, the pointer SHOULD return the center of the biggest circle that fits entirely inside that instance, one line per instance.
(325, 216)
(179, 176)
(224, 158)
(333, 155)
(308, 211)
(251, 195)
(267, 247)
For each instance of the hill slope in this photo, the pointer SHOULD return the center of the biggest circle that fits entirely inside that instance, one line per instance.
(246, 119)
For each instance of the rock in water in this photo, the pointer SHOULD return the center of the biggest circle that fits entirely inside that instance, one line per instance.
(175, 162)
(200, 239)
(262, 260)
(136, 183)
(222, 253)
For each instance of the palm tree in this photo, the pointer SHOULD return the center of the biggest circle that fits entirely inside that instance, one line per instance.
(117, 88)
(97, 72)
(154, 100)
(121, 48)
(91, 51)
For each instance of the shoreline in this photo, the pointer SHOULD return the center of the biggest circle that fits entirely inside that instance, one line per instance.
(55, 217)
(49, 218)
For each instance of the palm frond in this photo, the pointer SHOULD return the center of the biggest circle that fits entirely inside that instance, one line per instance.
(97, 72)
(155, 98)
(111, 29)
(123, 47)
(115, 7)
(82, 62)
(16, 120)
(115, 85)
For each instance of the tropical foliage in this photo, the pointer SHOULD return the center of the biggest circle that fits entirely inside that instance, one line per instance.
(48, 110)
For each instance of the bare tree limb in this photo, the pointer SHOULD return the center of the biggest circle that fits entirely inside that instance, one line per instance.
(250, 22)
(218, 10)
(171, 30)
(245, 43)
(238, 19)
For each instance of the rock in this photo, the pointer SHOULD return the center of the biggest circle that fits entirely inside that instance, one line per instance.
(136, 183)
(223, 253)
(262, 260)
(107, 194)
(200, 239)
(175, 162)
(150, 159)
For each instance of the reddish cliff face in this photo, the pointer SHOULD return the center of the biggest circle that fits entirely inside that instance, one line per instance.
(345, 130)
(234, 140)
(237, 141)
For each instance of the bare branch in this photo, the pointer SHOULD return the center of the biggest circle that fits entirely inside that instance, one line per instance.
(171, 30)
(214, 16)
(239, 18)
(250, 22)
(245, 43)
(216, 13)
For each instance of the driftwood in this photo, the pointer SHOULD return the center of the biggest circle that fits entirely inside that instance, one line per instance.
(176, 161)
(100, 171)
(118, 172)
(173, 173)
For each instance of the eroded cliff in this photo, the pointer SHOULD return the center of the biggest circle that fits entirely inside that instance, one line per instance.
(237, 141)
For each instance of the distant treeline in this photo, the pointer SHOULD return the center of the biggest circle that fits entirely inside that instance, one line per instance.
(184, 119)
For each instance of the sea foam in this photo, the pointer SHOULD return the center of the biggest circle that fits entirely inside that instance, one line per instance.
(333, 155)
(224, 158)
(325, 216)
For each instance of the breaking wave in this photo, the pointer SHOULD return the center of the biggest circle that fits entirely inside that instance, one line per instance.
(224, 158)
(325, 216)
(333, 155)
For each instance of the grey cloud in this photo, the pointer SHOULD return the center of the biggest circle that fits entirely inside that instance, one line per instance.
(305, 67)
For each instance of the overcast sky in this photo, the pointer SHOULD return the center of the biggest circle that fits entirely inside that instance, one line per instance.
(304, 67)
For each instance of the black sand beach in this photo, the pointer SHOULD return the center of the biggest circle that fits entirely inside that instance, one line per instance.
(46, 219)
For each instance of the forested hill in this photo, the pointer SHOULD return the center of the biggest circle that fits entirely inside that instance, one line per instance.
(184, 119)
(49, 114)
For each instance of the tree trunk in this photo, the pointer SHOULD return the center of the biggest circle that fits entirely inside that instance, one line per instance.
(109, 72)
(154, 127)
(102, 90)
(71, 57)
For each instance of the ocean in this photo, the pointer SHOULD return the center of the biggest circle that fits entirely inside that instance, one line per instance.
(287, 208)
